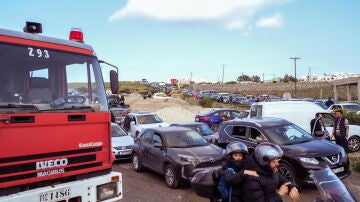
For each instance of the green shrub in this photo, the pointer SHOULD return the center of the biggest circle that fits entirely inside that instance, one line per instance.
(354, 161)
(206, 102)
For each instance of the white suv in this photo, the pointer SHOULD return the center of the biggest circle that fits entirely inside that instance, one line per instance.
(135, 122)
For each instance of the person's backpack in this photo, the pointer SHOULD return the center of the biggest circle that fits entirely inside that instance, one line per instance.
(223, 187)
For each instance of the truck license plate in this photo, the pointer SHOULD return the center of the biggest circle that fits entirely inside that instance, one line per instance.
(338, 170)
(55, 195)
(125, 152)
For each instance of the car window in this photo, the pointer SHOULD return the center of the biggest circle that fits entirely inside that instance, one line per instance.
(203, 130)
(238, 131)
(256, 135)
(287, 134)
(188, 138)
(328, 119)
(117, 131)
(235, 114)
(147, 137)
(157, 139)
(148, 119)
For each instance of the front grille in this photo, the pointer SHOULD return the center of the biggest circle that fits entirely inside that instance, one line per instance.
(333, 159)
(210, 163)
(37, 167)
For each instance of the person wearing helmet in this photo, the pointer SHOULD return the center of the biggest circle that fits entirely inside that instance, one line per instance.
(270, 185)
(236, 152)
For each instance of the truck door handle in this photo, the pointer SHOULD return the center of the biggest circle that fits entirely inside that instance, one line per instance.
(76, 117)
(22, 119)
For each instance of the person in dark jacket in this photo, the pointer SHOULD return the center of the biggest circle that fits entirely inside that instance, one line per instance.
(270, 186)
(236, 152)
(315, 126)
(340, 129)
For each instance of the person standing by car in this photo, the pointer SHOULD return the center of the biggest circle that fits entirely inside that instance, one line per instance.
(315, 126)
(233, 171)
(329, 102)
(265, 161)
(340, 129)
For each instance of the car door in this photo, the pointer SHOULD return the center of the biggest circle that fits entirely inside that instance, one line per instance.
(146, 145)
(156, 155)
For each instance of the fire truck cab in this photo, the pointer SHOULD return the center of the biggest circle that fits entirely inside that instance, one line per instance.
(55, 131)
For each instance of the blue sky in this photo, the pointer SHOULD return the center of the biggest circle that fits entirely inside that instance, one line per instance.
(161, 39)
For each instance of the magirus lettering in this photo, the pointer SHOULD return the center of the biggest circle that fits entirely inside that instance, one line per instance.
(51, 163)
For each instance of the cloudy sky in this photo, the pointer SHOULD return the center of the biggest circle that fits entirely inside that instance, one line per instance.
(161, 39)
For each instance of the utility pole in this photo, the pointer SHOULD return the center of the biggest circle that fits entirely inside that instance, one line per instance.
(222, 81)
(191, 76)
(263, 78)
(295, 70)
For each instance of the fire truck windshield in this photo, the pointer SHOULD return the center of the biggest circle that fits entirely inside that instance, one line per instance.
(49, 79)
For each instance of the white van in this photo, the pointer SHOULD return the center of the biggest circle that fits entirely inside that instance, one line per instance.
(301, 113)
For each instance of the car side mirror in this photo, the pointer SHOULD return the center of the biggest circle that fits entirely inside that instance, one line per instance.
(157, 145)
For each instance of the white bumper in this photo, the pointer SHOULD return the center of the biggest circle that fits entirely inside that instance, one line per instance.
(86, 189)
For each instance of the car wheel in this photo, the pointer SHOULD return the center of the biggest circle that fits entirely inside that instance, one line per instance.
(171, 177)
(354, 144)
(214, 126)
(287, 171)
(136, 163)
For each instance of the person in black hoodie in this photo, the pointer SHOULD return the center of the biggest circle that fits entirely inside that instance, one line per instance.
(270, 186)
(236, 152)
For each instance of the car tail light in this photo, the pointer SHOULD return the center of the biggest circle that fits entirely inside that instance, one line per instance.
(204, 118)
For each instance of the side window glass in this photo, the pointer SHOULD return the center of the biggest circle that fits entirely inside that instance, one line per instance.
(256, 135)
(328, 119)
(239, 131)
(147, 137)
(156, 139)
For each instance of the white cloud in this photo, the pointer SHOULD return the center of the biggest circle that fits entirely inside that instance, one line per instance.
(273, 21)
(231, 14)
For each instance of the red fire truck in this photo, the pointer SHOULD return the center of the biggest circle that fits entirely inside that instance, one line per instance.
(55, 132)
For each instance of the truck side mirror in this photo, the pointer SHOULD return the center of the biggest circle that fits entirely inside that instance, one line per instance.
(114, 82)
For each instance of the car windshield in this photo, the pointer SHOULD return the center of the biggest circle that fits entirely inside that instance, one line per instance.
(186, 138)
(117, 131)
(202, 129)
(287, 134)
(148, 119)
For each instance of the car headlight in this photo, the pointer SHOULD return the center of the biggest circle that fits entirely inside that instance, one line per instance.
(106, 191)
(186, 157)
(309, 160)
(343, 153)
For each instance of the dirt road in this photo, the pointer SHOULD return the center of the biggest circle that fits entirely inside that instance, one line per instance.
(150, 187)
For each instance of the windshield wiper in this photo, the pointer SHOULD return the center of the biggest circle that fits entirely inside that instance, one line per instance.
(20, 106)
(85, 108)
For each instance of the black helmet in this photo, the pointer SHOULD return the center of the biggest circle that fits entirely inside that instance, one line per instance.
(266, 152)
(236, 147)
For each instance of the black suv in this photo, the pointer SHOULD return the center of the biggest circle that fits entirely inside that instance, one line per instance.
(176, 152)
(301, 151)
